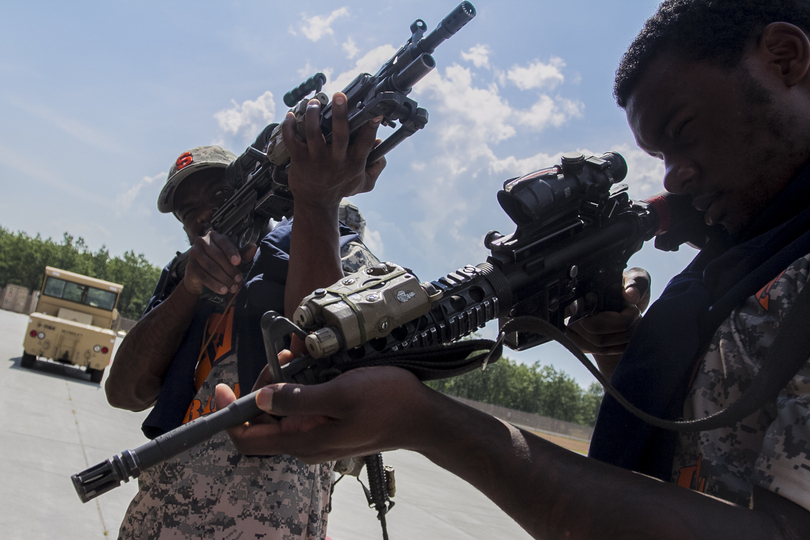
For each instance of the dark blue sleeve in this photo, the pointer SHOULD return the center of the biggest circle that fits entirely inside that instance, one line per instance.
(177, 389)
(264, 291)
(159, 294)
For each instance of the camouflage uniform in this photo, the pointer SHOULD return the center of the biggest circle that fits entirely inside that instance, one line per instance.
(770, 448)
(213, 492)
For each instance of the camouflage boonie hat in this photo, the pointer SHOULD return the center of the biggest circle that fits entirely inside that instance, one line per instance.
(194, 160)
(350, 215)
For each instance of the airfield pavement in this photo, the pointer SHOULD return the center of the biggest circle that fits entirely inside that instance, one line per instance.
(56, 422)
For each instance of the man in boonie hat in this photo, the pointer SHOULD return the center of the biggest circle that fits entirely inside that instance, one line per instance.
(185, 343)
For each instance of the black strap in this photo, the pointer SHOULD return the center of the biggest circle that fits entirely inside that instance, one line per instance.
(438, 361)
(789, 352)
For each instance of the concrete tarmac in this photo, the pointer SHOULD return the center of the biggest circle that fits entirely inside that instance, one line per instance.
(56, 422)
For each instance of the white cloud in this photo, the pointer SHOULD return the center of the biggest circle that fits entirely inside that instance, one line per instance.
(248, 118)
(481, 110)
(478, 55)
(480, 115)
(368, 63)
(644, 173)
(373, 241)
(125, 201)
(316, 27)
(512, 166)
(547, 111)
(351, 48)
(537, 74)
(473, 150)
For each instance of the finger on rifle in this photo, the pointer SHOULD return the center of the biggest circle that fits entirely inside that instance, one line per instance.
(298, 348)
(366, 138)
(273, 438)
(224, 396)
(297, 148)
(609, 346)
(605, 333)
(248, 253)
(207, 265)
(340, 124)
(637, 282)
(608, 322)
(243, 434)
(221, 251)
(372, 174)
(377, 167)
(312, 127)
(228, 249)
(286, 399)
(264, 379)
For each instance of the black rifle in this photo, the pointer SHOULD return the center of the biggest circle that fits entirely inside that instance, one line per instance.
(259, 175)
(575, 232)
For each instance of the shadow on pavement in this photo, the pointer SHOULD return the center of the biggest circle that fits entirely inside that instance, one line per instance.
(55, 369)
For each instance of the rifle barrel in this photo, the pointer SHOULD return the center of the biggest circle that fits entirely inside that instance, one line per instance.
(451, 24)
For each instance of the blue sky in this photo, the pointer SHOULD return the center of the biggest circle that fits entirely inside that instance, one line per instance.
(99, 98)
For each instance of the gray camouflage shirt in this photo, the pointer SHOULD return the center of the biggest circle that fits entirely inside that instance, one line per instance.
(770, 448)
(213, 492)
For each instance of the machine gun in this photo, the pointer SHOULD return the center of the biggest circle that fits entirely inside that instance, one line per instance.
(259, 175)
(576, 230)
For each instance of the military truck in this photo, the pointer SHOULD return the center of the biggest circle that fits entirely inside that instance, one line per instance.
(75, 322)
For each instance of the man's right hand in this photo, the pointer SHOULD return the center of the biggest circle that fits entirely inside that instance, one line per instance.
(607, 334)
(213, 263)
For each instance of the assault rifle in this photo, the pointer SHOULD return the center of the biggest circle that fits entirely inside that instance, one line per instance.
(259, 175)
(576, 230)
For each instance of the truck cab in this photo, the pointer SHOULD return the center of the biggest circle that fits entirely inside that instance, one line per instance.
(74, 323)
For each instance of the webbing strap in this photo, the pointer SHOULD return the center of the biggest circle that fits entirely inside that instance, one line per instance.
(437, 361)
(789, 352)
(342, 296)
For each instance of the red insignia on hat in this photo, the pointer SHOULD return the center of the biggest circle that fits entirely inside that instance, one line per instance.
(184, 160)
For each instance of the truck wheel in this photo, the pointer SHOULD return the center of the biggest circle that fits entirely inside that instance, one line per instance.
(27, 360)
(95, 374)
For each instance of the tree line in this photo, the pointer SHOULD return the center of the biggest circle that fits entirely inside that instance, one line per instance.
(23, 259)
(533, 389)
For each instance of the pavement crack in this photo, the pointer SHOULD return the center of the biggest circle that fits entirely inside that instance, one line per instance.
(84, 453)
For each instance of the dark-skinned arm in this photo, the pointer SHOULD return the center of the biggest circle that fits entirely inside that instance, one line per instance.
(607, 334)
(320, 176)
(551, 492)
(147, 351)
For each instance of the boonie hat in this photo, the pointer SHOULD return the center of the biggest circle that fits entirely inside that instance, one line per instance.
(190, 162)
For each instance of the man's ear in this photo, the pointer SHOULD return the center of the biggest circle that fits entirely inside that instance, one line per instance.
(786, 49)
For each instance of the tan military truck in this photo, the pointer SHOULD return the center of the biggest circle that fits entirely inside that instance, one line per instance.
(74, 323)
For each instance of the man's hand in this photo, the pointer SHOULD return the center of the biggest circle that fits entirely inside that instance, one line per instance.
(319, 176)
(358, 413)
(607, 334)
(213, 262)
(321, 173)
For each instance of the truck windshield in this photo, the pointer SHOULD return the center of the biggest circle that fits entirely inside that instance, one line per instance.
(81, 294)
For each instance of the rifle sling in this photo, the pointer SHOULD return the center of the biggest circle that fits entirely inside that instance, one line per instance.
(786, 356)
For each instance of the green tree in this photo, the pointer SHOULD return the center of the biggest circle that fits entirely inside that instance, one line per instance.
(23, 260)
(534, 389)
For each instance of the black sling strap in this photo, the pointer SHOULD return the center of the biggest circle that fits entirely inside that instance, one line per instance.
(786, 356)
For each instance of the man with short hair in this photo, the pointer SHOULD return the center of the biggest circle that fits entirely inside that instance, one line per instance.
(186, 343)
(720, 91)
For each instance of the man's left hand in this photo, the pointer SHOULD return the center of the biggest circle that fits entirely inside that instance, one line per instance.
(322, 174)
